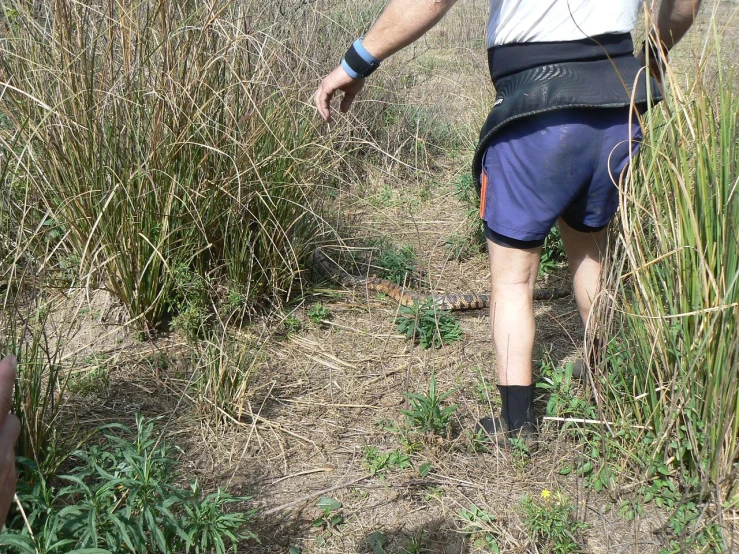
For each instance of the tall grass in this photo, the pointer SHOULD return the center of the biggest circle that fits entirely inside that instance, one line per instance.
(676, 273)
(156, 136)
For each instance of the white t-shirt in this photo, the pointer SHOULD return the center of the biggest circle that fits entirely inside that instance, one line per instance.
(558, 20)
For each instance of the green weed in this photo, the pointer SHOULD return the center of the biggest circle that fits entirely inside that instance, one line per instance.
(464, 188)
(563, 399)
(551, 522)
(122, 496)
(397, 264)
(189, 302)
(382, 462)
(553, 253)
(318, 313)
(292, 324)
(414, 545)
(478, 524)
(427, 325)
(484, 390)
(330, 517)
(91, 380)
(427, 413)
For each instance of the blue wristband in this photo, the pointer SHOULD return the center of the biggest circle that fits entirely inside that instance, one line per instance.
(362, 51)
(358, 62)
(353, 74)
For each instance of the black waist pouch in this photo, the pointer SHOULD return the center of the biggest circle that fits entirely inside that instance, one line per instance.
(606, 83)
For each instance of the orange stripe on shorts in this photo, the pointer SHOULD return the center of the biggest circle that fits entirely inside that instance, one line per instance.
(483, 191)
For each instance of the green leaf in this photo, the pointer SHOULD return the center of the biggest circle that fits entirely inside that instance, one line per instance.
(24, 544)
(329, 504)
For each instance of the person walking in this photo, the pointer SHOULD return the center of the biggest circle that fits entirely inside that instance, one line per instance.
(563, 128)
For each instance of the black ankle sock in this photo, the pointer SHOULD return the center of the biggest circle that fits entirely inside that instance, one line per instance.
(517, 405)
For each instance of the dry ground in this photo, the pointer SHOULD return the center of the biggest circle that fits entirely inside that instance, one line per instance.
(324, 394)
(327, 392)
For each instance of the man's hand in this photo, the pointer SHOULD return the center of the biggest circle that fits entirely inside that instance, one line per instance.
(656, 68)
(337, 80)
(10, 428)
(401, 22)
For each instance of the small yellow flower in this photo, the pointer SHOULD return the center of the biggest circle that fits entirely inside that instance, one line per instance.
(545, 494)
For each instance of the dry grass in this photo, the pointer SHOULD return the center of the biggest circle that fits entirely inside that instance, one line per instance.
(314, 399)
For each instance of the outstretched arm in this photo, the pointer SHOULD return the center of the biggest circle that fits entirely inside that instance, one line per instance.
(674, 19)
(401, 23)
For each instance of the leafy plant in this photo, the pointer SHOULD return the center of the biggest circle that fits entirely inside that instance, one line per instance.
(414, 545)
(428, 325)
(382, 462)
(426, 411)
(478, 525)
(330, 516)
(121, 496)
(90, 379)
(551, 522)
(553, 252)
(292, 324)
(318, 313)
(464, 188)
(189, 302)
(563, 398)
(396, 264)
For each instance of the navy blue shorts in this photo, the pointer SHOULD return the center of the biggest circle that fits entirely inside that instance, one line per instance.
(564, 163)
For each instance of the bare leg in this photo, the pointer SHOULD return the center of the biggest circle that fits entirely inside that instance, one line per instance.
(584, 256)
(513, 274)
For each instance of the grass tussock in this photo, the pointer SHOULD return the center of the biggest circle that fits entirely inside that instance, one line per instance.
(157, 136)
(673, 368)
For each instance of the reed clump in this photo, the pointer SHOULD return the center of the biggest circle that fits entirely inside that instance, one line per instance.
(672, 368)
(157, 136)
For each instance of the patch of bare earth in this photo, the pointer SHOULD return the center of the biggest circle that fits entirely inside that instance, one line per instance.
(324, 394)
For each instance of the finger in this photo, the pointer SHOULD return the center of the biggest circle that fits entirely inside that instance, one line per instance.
(7, 381)
(10, 432)
(346, 102)
(323, 102)
(8, 437)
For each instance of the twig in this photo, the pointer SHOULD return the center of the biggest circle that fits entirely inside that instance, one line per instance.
(312, 495)
(591, 421)
(306, 472)
(326, 405)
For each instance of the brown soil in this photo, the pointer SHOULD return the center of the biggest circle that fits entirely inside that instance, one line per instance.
(327, 392)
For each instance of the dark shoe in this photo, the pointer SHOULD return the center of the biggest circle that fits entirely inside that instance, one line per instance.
(496, 430)
(578, 368)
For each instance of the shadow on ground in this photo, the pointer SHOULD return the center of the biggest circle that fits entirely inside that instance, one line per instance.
(437, 537)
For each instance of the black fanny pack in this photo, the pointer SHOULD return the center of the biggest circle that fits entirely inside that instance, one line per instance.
(596, 74)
